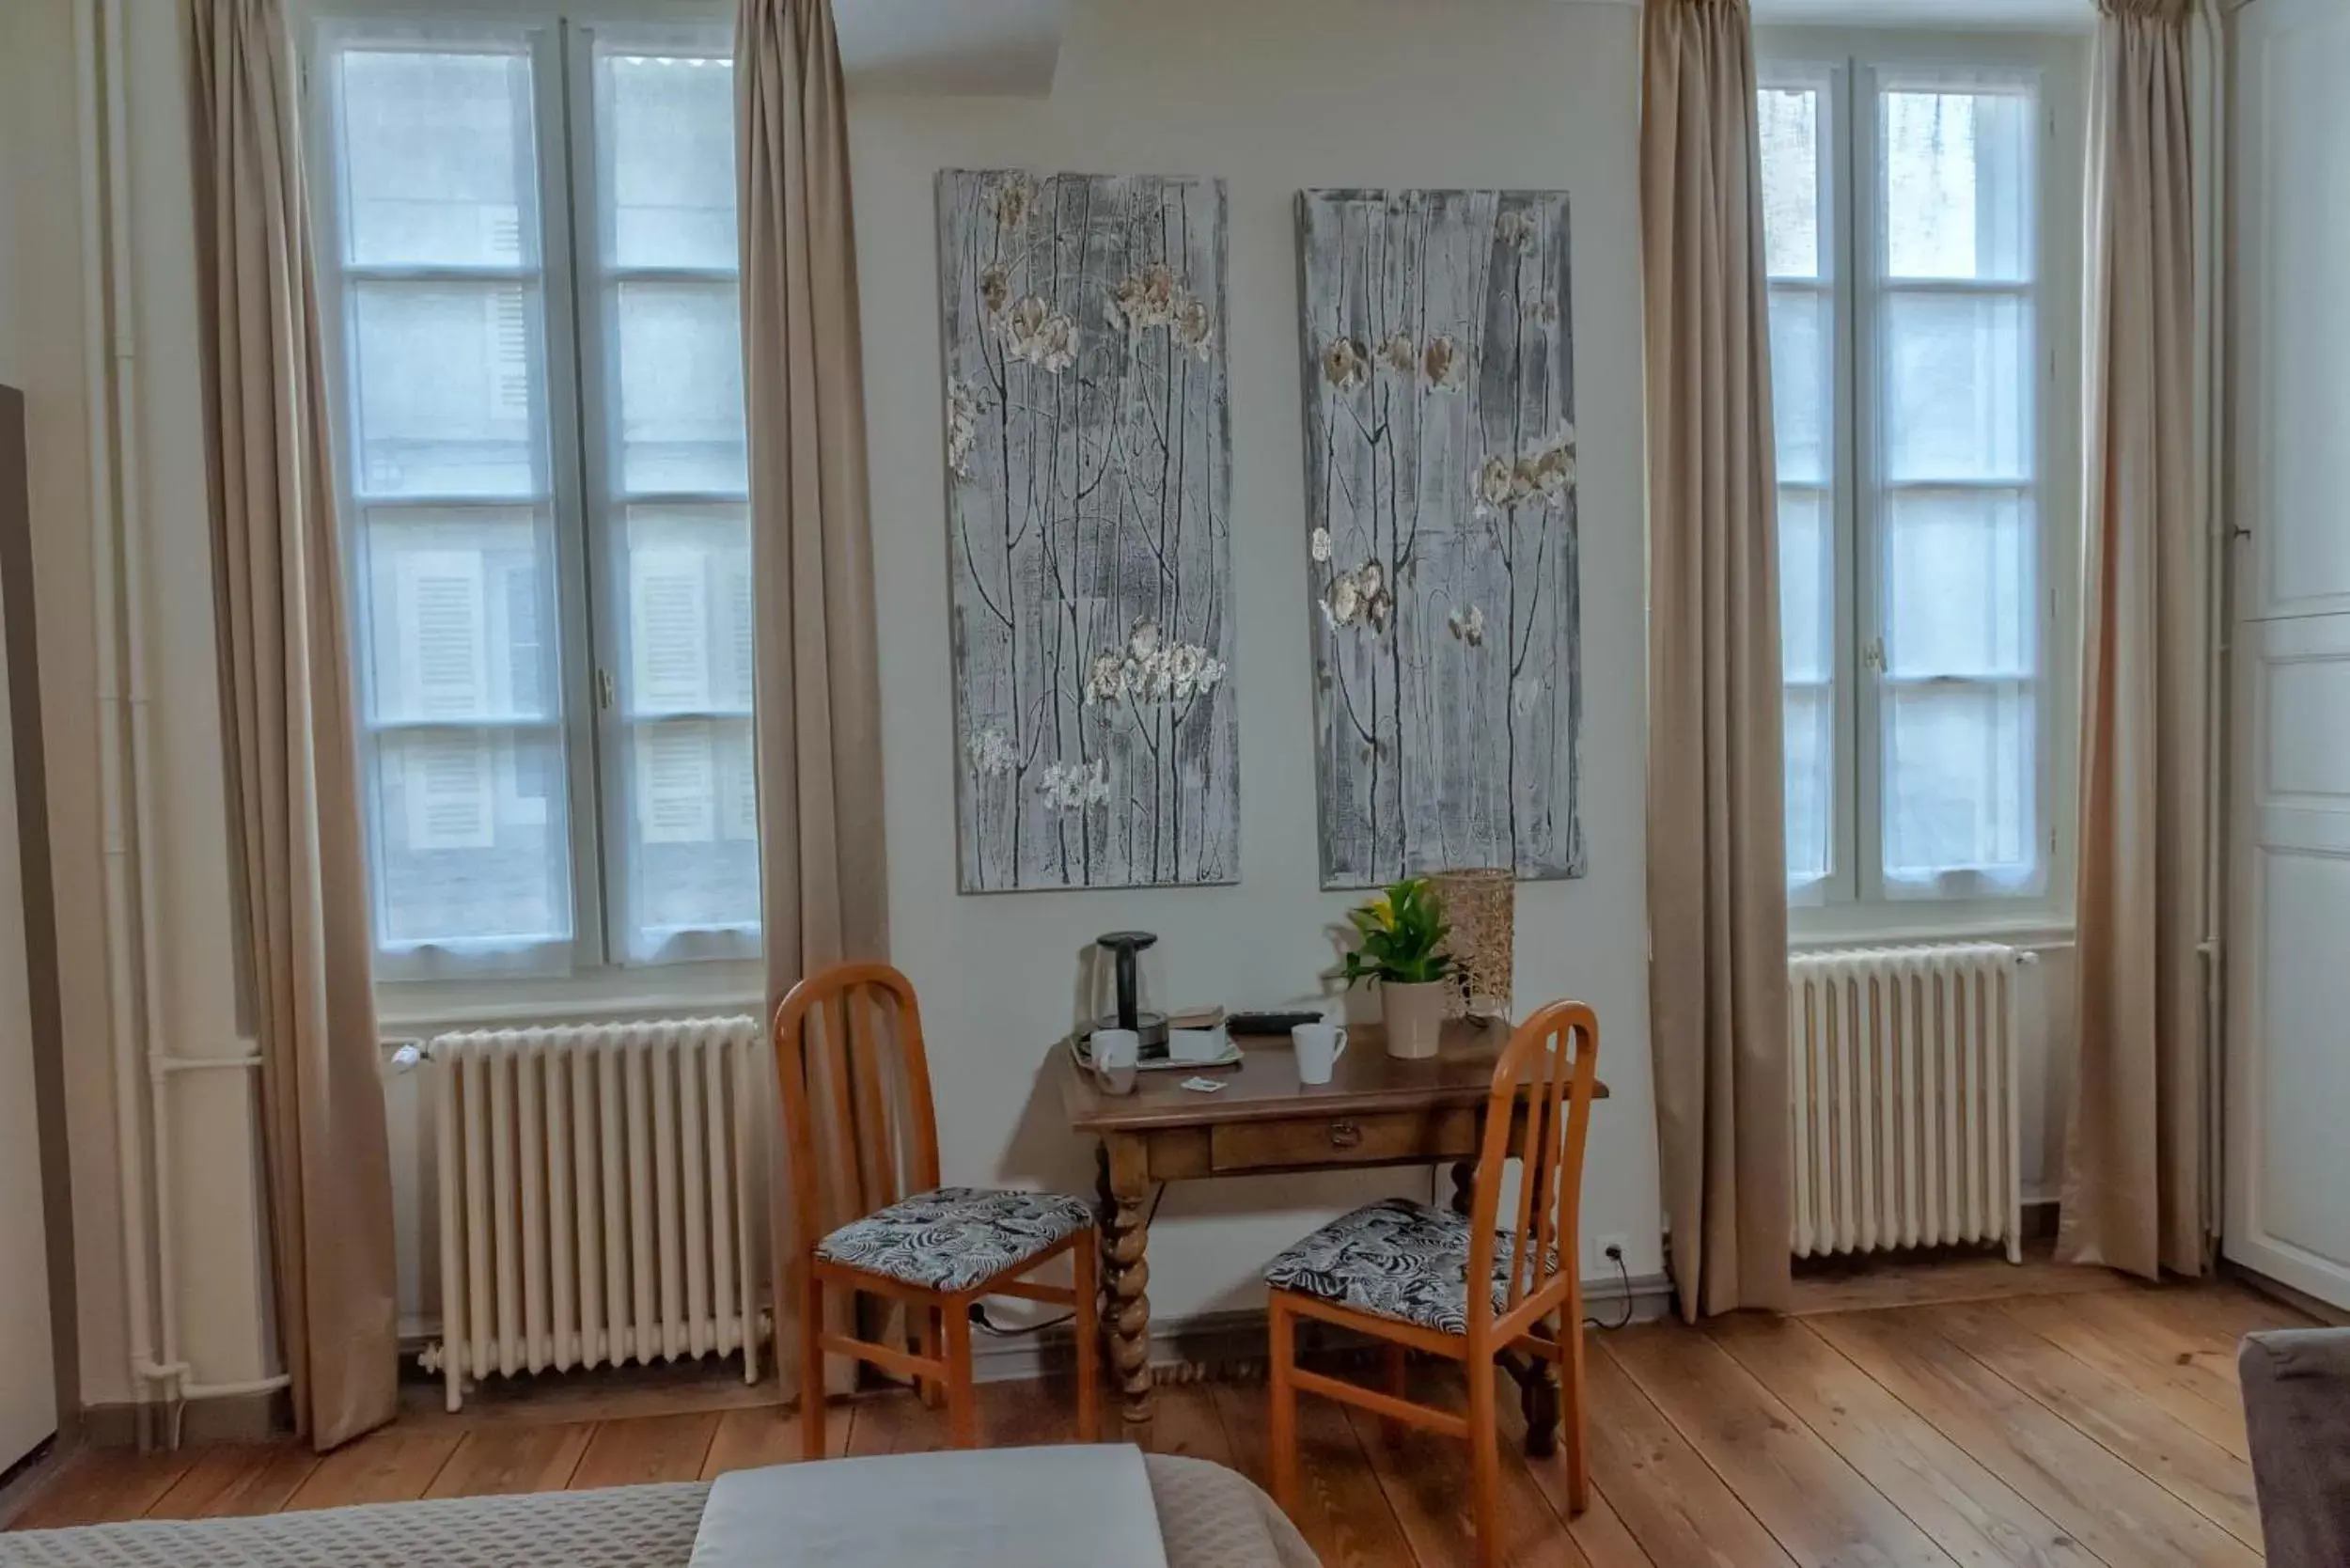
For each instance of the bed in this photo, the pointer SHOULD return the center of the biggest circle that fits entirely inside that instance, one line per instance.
(1209, 1517)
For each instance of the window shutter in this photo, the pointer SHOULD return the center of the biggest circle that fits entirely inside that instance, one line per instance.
(449, 804)
(443, 634)
(669, 630)
(676, 793)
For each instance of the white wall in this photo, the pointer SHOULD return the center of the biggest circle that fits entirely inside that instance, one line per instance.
(1271, 98)
(214, 1203)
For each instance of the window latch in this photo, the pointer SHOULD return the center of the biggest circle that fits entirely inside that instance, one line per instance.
(604, 690)
(1873, 655)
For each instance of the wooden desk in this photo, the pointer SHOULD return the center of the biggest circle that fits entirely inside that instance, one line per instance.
(1374, 1111)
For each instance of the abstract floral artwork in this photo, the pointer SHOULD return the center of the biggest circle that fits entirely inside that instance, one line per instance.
(1441, 531)
(1089, 458)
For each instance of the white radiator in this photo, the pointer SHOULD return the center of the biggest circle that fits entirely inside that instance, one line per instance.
(595, 1183)
(1901, 1111)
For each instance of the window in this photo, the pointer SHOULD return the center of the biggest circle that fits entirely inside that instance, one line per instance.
(1901, 223)
(528, 246)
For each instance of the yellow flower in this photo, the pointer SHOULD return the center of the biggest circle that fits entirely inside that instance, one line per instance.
(1383, 912)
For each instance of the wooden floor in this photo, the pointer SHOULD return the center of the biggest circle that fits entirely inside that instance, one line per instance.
(1969, 1413)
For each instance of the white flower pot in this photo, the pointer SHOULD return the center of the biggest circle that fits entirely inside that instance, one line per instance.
(1413, 1016)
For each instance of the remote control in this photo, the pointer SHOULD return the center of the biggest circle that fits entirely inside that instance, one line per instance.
(1270, 1023)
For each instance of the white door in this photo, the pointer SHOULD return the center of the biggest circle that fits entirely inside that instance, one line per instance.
(28, 1392)
(2287, 1164)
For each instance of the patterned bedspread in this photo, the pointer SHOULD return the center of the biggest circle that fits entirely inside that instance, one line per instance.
(1210, 1516)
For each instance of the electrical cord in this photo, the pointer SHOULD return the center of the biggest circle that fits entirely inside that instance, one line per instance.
(986, 1325)
(1615, 1255)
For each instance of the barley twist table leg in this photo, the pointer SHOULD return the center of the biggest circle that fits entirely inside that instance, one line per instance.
(1126, 1232)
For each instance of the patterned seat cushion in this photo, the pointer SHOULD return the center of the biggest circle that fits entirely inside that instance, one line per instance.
(955, 1238)
(1397, 1260)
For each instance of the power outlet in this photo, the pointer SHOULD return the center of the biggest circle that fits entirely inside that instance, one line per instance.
(1610, 1251)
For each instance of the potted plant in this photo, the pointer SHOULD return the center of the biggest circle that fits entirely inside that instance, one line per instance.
(1402, 932)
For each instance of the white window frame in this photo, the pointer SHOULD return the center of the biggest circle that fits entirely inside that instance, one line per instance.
(423, 985)
(1854, 901)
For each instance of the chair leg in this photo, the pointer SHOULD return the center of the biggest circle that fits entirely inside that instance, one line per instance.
(1282, 1437)
(932, 1391)
(1484, 1435)
(1085, 1263)
(1571, 1406)
(963, 1415)
(811, 1362)
(1399, 1384)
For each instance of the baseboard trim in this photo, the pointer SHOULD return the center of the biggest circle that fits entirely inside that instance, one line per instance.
(229, 1419)
(2299, 1300)
(1205, 1347)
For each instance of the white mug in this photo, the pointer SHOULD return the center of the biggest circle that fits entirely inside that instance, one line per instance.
(1116, 1054)
(1319, 1047)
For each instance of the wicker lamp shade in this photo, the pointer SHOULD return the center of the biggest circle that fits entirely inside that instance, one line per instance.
(1480, 905)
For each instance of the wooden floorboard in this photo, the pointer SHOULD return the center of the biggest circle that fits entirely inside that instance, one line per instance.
(390, 1465)
(1970, 1512)
(1426, 1479)
(1867, 1282)
(765, 1434)
(497, 1460)
(2135, 1428)
(1916, 1416)
(2125, 1518)
(2170, 1368)
(645, 1448)
(1663, 1490)
(1342, 1511)
(1818, 1508)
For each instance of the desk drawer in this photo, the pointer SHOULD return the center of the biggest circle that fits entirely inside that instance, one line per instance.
(1386, 1136)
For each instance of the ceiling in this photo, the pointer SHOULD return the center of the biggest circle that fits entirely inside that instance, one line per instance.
(1967, 14)
(1010, 47)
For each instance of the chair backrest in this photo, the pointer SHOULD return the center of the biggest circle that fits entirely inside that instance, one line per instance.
(858, 1127)
(1550, 1066)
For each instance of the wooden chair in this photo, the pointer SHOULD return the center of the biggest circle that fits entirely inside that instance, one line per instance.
(938, 1250)
(1399, 1271)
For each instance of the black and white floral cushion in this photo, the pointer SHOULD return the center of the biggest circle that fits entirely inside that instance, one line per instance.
(1398, 1260)
(953, 1238)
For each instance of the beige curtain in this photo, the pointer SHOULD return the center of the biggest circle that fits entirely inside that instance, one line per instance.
(286, 699)
(1716, 856)
(2135, 1157)
(820, 752)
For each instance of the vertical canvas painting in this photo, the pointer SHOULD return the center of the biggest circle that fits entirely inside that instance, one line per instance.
(1089, 475)
(1441, 531)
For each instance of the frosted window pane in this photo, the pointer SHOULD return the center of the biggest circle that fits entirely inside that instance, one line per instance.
(1957, 388)
(1806, 583)
(449, 378)
(460, 614)
(1958, 184)
(1958, 772)
(1802, 368)
(1960, 570)
(470, 836)
(1790, 122)
(694, 829)
(681, 380)
(436, 154)
(1811, 719)
(670, 156)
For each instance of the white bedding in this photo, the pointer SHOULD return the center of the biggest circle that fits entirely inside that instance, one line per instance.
(1060, 1507)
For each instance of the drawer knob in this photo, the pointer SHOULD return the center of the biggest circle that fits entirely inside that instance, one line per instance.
(1345, 1135)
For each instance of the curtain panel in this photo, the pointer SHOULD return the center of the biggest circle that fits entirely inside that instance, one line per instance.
(2136, 1162)
(292, 755)
(824, 892)
(1717, 829)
